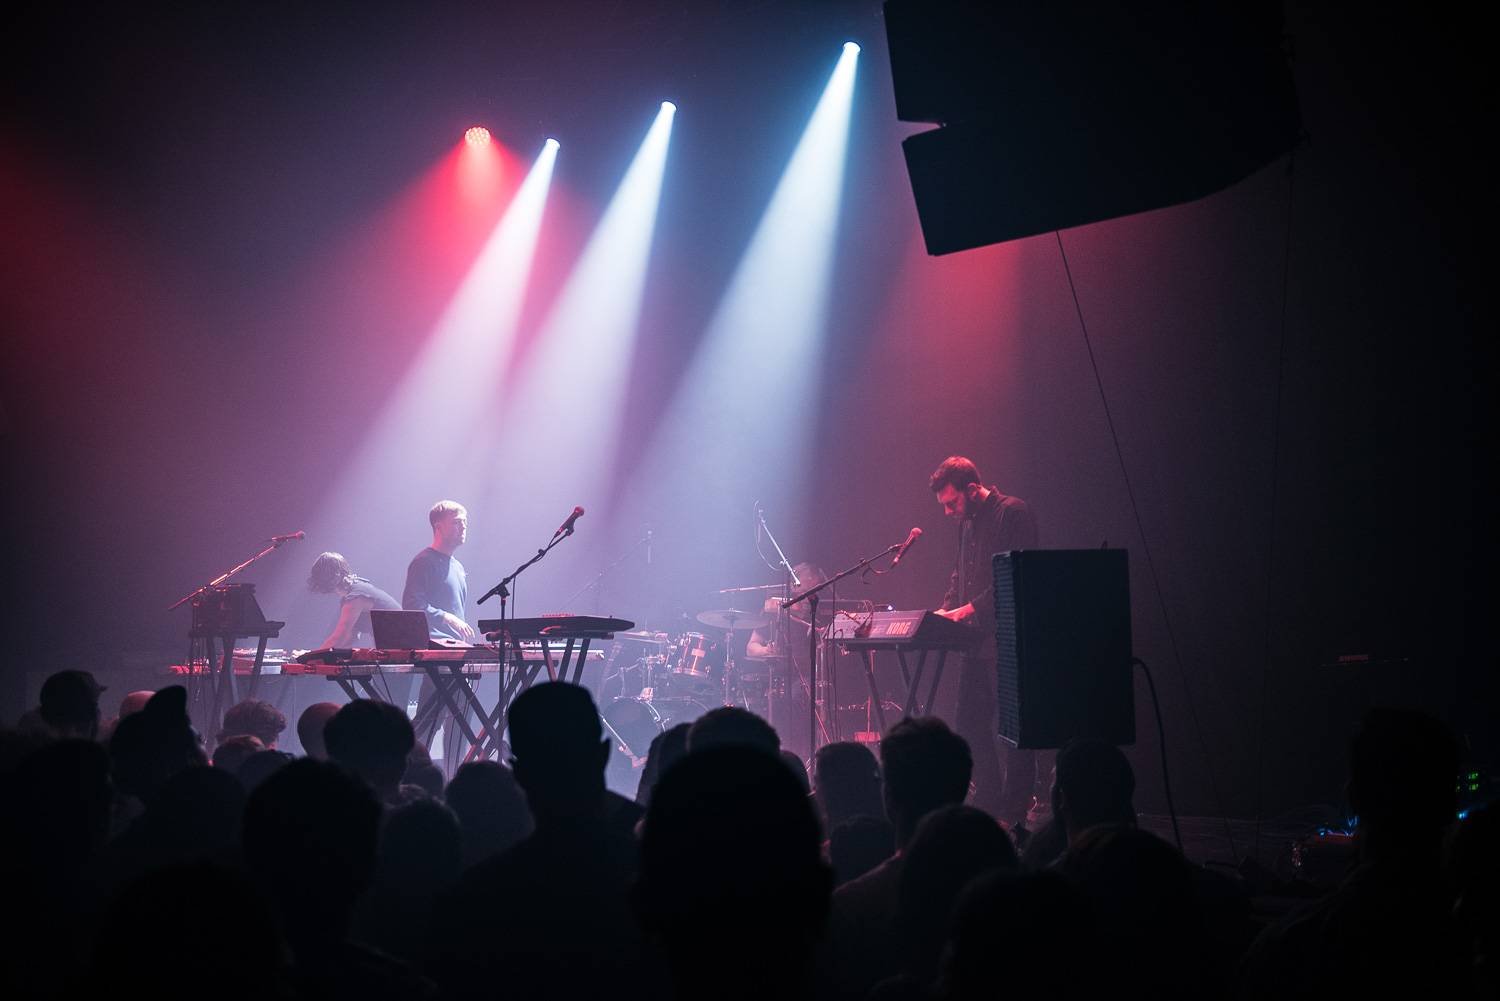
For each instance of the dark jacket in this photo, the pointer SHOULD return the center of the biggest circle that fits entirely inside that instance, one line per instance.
(1000, 524)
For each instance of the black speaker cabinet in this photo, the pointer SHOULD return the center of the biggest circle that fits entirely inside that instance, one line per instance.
(1059, 114)
(1062, 626)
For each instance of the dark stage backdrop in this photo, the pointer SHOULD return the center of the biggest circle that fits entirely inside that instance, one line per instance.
(228, 233)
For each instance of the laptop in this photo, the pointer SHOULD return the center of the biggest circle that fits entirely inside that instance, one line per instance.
(400, 630)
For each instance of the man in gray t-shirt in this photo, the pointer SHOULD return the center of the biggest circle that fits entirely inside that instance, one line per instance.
(435, 580)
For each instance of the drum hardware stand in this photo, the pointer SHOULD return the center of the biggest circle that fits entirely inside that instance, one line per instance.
(731, 668)
(810, 595)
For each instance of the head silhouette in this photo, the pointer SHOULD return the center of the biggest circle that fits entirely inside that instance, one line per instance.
(309, 840)
(419, 847)
(261, 765)
(151, 746)
(731, 726)
(135, 701)
(310, 728)
(952, 845)
(233, 752)
(371, 739)
(255, 718)
(1095, 785)
(846, 782)
(926, 766)
(734, 803)
(559, 750)
(491, 809)
(1142, 894)
(666, 748)
(70, 704)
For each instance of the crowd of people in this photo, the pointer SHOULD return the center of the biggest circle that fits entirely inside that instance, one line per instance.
(136, 857)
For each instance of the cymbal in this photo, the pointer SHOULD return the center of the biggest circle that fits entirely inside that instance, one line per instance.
(751, 587)
(643, 636)
(733, 618)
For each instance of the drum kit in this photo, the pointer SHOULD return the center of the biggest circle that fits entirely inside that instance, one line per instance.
(665, 679)
(675, 678)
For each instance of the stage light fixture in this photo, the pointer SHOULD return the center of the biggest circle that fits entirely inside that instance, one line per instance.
(551, 144)
(477, 136)
(762, 352)
(450, 383)
(852, 48)
(593, 318)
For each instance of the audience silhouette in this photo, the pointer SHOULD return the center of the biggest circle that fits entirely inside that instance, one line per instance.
(253, 718)
(1094, 784)
(926, 767)
(133, 862)
(310, 726)
(310, 838)
(373, 740)
(185, 932)
(1392, 920)
(731, 726)
(666, 748)
(70, 704)
(858, 845)
(733, 891)
(234, 751)
(151, 746)
(1028, 935)
(846, 783)
(491, 809)
(420, 854)
(55, 825)
(550, 915)
(951, 847)
(1142, 893)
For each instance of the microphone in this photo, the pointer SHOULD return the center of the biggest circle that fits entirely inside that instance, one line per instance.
(912, 536)
(567, 526)
(279, 539)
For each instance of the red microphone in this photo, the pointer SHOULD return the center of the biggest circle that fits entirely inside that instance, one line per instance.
(913, 536)
(567, 526)
(279, 539)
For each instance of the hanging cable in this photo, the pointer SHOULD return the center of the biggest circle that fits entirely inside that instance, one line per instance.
(1146, 549)
(1161, 736)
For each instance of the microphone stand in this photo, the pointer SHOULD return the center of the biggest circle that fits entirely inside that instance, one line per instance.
(217, 685)
(594, 584)
(503, 590)
(783, 630)
(275, 545)
(811, 597)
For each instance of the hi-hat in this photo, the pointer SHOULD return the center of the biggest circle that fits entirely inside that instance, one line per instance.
(733, 618)
(643, 636)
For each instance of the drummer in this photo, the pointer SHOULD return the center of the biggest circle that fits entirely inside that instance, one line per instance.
(762, 643)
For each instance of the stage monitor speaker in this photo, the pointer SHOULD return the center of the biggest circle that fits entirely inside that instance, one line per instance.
(1060, 114)
(1062, 625)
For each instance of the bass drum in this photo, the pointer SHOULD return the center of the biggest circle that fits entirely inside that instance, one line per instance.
(635, 723)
